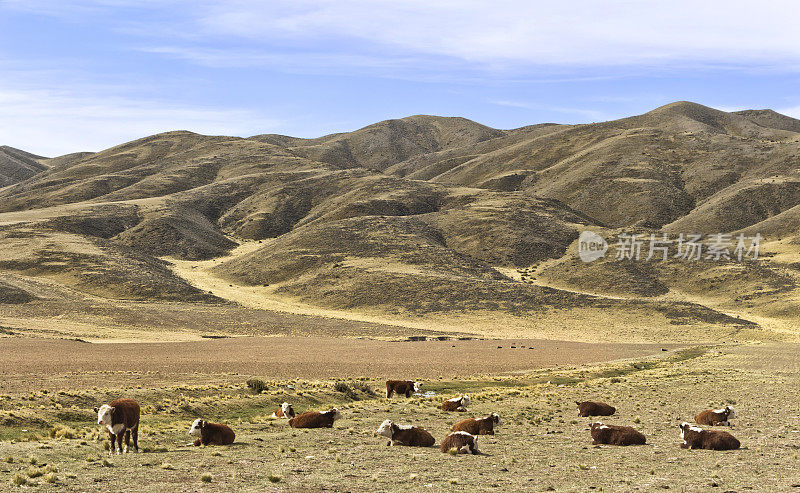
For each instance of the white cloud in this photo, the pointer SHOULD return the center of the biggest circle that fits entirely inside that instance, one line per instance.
(501, 33)
(584, 113)
(499, 36)
(52, 123)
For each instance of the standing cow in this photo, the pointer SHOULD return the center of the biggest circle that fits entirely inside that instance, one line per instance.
(120, 417)
(401, 387)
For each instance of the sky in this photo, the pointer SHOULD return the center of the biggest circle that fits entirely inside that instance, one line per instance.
(80, 75)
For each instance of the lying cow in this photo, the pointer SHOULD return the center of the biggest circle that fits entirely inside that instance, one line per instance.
(715, 417)
(211, 433)
(458, 404)
(462, 441)
(120, 417)
(615, 435)
(401, 387)
(314, 419)
(591, 408)
(479, 426)
(696, 437)
(412, 436)
(285, 411)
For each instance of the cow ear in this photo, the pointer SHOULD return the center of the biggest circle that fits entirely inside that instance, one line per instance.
(113, 409)
(96, 410)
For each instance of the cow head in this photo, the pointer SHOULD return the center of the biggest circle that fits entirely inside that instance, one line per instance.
(336, 414)
(496, 419)
(731, 412)
(104, 414)
(465, 400)
(197, 427)
(417, 385)
(386, 429)
(596, 425)
(287, 410)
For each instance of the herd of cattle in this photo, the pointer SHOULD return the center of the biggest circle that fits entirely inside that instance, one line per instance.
(121, 419)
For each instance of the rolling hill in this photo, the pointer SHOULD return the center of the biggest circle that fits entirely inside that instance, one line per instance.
(426, 216)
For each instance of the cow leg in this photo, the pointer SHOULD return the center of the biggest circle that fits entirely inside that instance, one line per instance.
(112, 442)
(119, 442)
(127, 440)
(135, 435)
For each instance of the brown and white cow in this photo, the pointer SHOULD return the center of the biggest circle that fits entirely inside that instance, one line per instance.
(715, 417)
(401, 387)
(412, 436)
(592, 408)
(458, 404)
(120, 417)
(695, 437)
(462, 441)
(285, 411)
(315, 419)
(615, 435)
(211, 433)
(479, 426)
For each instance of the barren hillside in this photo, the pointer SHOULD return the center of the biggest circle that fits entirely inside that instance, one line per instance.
(441, 218)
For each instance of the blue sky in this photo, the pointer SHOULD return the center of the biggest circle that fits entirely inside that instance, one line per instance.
(87, 75)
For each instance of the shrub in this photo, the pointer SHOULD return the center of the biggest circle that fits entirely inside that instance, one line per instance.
(19, 480)
(206, 477)
(256, 385)
(34, 472)
(167, 466)
(453, 451)
(50, 477)
(274, 478)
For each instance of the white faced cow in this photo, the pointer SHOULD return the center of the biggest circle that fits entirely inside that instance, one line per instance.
(121, 418)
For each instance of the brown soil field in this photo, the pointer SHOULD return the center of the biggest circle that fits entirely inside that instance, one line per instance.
(35, 364)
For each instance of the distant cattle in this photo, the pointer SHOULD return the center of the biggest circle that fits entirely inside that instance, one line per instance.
(412, 436)
(211, 433)
(462, 442)
(458, 404)
(615, 435)
(695, 437)
(591, 408)
(120, 417)
(479, 426)
(715, 417)
(314, 419)
(285, 411)
(401, 387)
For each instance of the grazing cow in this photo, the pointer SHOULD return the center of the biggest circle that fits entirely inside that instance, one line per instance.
(211, 433)
(401, 387)
(696, 437)
(314, 419)
(120, 417)
(615, 435)
(479, 426)
(285, 411)
(462, 441)
(412, 436)
(715, 417)
(590, 408)
(458, 404)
